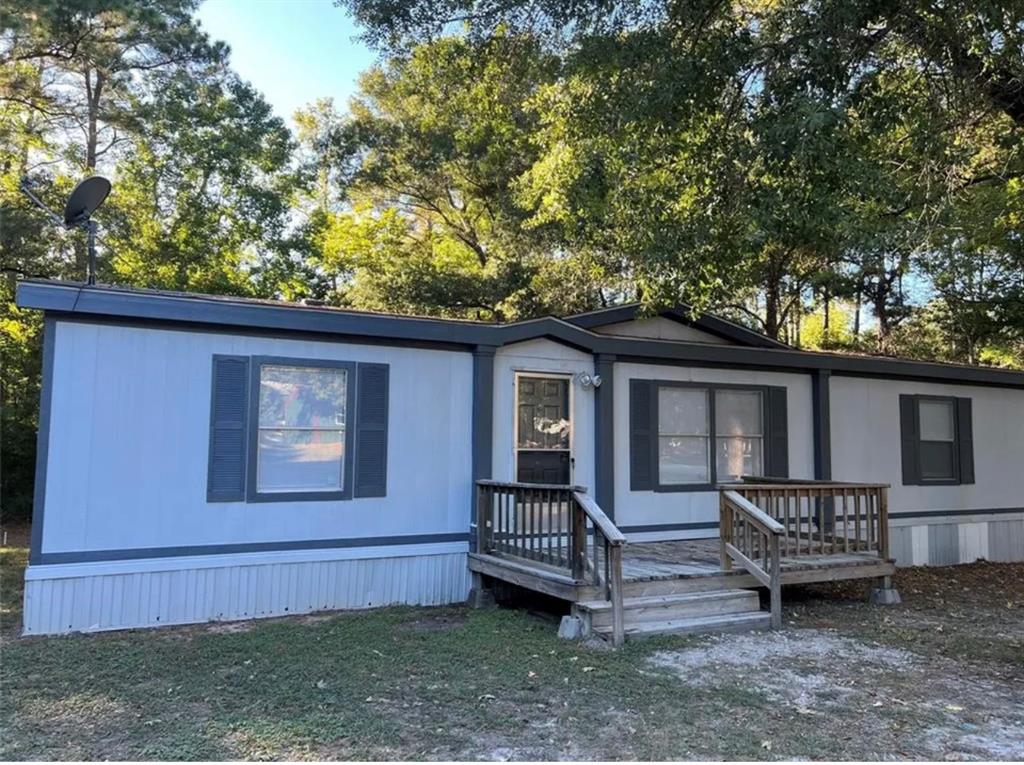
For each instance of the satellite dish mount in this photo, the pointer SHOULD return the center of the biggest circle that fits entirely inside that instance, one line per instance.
(85, 199)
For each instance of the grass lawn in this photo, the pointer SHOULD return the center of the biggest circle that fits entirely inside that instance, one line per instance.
(940, 676)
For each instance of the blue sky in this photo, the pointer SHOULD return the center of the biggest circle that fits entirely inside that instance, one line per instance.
(294, 51)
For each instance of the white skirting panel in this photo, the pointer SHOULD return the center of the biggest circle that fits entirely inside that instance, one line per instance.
(949, 541)
(153, 597)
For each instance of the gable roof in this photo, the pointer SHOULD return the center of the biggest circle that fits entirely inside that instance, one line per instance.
(683, 314)
(208, 313)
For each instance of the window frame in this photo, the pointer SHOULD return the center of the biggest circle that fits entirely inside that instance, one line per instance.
(711, 388)
(951, 401)
(252, 493)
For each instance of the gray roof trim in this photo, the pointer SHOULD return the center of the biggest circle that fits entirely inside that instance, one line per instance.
(681, 313)
(131, 306)
(239, 312)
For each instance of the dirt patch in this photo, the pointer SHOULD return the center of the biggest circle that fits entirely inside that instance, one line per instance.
(809, 667)
(15, 534)
(914, 705)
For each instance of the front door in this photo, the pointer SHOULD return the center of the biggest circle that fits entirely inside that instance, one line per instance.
(543, 429)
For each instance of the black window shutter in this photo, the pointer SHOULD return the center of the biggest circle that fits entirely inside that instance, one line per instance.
(965, 439)
(371, 457)
(641, 437)
(910, 443)
(777, 464)
(229, 416)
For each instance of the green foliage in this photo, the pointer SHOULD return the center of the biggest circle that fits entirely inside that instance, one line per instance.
(770, 160)
(427, 159)
(202, 170)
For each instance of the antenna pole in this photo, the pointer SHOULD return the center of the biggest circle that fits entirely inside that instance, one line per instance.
(90, 228)
(26, 189)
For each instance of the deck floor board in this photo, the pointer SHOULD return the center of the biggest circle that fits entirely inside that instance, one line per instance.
(642, 561)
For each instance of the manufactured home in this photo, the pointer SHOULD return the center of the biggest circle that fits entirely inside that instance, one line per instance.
(208, 458)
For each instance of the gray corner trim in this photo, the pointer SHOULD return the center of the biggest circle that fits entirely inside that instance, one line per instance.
(604, 434)
(821, 405)
(138, 553)
(252, 494)
(35, 553)
(654, 527)
(956, 513)
(483, 424)
(132, 305)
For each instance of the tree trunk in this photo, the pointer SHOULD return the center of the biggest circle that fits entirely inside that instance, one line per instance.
(93, 94)
(771, 313)
(881, 308)
(858, 299)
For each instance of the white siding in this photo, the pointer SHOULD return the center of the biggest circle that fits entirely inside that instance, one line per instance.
(866, 443)
(643, 508)
(660, 328)
(542, 356)
(130, 433)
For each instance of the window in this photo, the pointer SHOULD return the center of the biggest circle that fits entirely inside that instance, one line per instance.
(708, 434)
(284, 429)
(739, 434)
(936, 440)
(301, 440)
(683, 436)
(301, 444)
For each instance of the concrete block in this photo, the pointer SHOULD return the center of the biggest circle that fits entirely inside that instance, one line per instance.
(885, 596)
(571, 628)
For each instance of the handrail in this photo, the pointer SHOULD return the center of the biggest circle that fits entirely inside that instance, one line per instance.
(554, 527)
(822, 517)
(522, 485)
(747, 535)
(768, 524)
(601, 520)
(764, 482)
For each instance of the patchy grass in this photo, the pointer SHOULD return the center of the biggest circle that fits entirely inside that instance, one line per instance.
(451, 683)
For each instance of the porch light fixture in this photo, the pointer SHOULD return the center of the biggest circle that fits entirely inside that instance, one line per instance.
(587, 380)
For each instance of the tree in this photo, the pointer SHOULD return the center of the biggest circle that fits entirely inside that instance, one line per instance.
(754, 154)
(201, 169)
(96, 61)
(428, 157)
(202, 202)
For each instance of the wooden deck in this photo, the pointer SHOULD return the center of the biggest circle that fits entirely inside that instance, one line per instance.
(649, 561)
(678, 566)
(555, 540)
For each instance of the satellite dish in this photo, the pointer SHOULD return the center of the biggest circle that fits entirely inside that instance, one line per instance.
(87, 196)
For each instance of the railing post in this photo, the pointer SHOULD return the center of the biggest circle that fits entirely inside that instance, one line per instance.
(579, 539)
(483, 520)
(724, 530)
(775, 582)
(615, 594)
(883, 523)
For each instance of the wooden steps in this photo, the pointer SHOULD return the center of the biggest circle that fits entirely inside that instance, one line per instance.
(759, 620)
(684, 613)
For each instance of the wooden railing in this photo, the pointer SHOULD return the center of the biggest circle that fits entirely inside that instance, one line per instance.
(751, 538)
(555, 528)
(822, 517)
